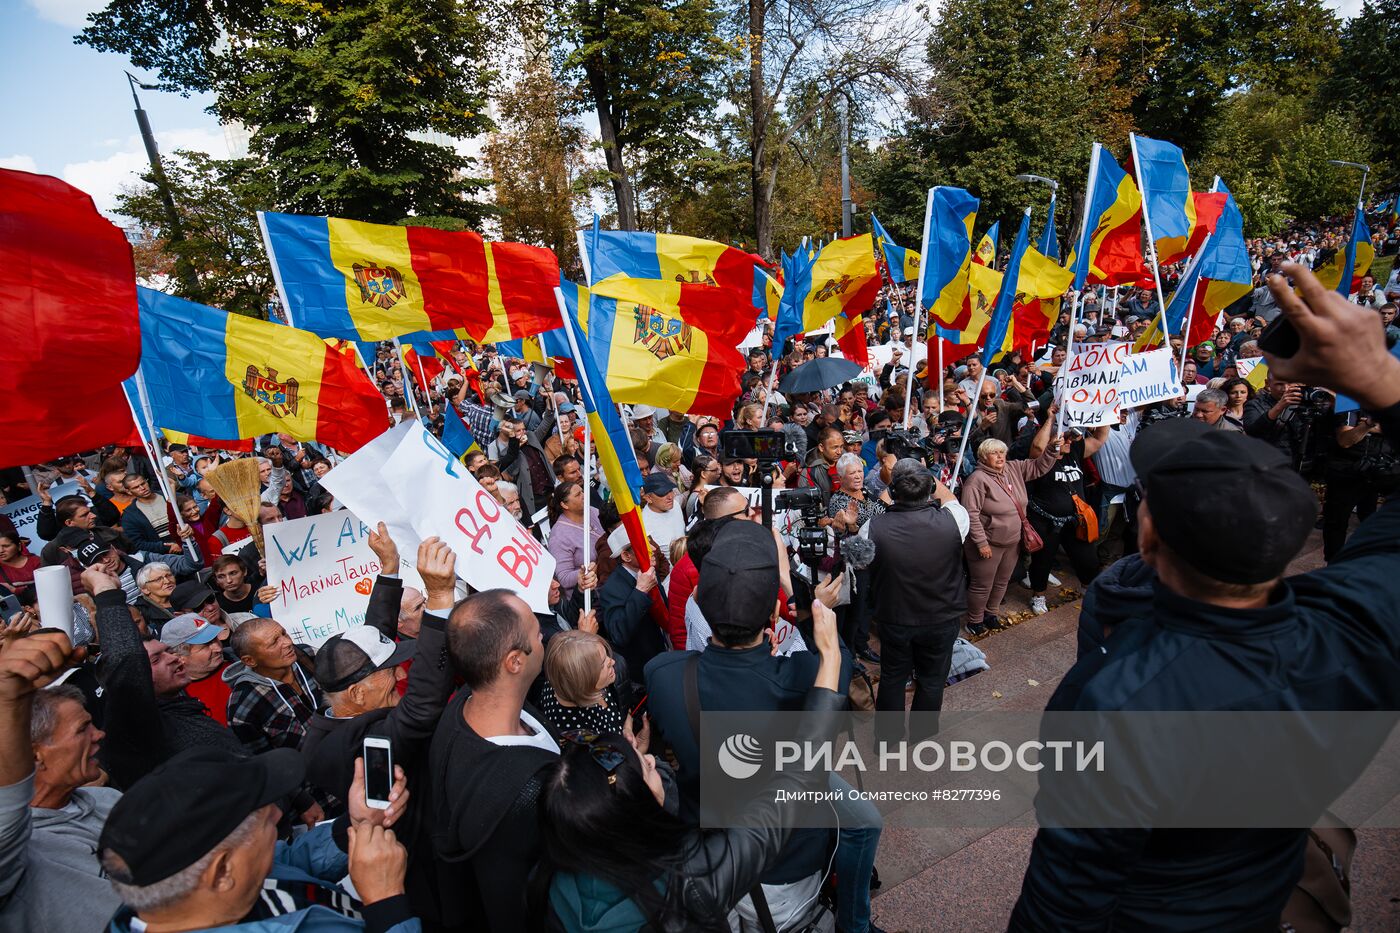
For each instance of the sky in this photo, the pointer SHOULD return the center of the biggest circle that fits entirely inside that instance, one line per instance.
(70, 111)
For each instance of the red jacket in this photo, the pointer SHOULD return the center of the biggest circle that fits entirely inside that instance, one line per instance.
(684, 578)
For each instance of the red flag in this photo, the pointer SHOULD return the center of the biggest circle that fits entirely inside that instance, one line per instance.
(71, 333)
(1209, 205)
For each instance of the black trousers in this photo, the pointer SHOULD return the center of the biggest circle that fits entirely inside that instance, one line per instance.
(926, 652)
(1345, 494)
(1083, 555)
(853, 619)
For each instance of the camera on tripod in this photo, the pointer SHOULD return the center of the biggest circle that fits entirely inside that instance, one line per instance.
(811, 536)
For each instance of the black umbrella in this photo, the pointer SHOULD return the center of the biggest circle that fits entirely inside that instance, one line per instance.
(815, 375)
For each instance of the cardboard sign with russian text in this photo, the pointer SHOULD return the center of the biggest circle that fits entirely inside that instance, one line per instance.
(324, 569)
(437, 496)
(1148, 378)
(1088, 384)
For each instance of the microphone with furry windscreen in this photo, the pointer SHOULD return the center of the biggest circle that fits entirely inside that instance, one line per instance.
(857, 552)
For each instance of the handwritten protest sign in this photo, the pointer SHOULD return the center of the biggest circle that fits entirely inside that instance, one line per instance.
(324, 569)
(1147, 378)
(1089, 384)
(25, 514)
(439, 497)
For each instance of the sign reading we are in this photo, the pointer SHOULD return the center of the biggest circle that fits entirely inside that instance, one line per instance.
(324, 570)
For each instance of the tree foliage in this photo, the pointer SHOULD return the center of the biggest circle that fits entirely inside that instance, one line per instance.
(538, 163)
(1366, 81)
(217, 201)
(353, 105)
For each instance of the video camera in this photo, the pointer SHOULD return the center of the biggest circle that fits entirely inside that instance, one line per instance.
(767, 447)
(811, 536)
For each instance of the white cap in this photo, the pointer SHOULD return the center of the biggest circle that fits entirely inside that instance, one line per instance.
(618, 541)
(642, 411)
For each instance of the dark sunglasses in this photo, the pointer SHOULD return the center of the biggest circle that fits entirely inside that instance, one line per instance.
(607, 757)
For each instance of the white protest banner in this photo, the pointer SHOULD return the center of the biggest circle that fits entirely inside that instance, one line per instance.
(1147, 378)
(439, 497)
(358, 485)
(324, 569)
(25, 514)
(1088, 385)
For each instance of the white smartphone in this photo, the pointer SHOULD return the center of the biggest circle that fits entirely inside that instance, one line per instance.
(379, 772)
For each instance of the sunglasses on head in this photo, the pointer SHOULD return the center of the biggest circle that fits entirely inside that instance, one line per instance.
(607, 757)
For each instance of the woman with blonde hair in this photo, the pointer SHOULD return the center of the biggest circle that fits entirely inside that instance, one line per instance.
(995, 498)
(581, 684)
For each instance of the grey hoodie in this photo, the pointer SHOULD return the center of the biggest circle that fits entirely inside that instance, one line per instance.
(50, 881)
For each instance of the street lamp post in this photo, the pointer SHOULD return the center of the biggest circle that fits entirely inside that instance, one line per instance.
(172, 218)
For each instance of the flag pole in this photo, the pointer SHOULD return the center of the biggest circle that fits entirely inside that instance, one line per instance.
(919, 304)
(1151, 242)
(276, 270)
(152, 448)
(1191, 308)
(408, 380)
(585, 396)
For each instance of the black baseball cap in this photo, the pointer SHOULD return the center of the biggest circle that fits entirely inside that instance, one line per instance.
(1230, 506)
(91, 551)
(190, 595)
(348, 658)
(179, 812)
(739, 580)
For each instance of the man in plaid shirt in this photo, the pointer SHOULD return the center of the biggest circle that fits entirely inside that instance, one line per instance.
(271, 698)
(477, 416)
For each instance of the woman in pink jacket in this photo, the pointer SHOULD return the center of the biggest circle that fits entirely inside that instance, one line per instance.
(995, 499)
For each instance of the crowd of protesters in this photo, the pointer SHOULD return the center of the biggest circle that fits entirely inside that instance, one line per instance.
(181, 764)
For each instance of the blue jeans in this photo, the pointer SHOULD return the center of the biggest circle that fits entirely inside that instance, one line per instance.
(856, 843)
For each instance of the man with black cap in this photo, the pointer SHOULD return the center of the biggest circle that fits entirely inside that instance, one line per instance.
(1222, 515)
(738, 593)
(193, 846)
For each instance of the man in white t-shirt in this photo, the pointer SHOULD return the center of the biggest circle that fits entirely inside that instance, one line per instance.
(662, 518)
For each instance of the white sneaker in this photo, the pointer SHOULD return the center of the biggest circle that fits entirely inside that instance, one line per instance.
(1038, 605)
(1054, 580)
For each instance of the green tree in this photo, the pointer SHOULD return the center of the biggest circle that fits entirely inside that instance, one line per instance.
(217, 201)
(1312, 187)
(649, 69)
(353, 105)
(1366, 79)
(538, 163)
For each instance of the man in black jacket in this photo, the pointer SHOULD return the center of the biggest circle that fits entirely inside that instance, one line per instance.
(920, 594)
(486, 753)
(1221, 517)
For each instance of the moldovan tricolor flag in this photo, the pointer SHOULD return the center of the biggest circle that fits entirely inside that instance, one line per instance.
(1166, 193)
(71, 333)
(610, 438)
(840, 277)
(947, 253)
(1109, 250)
(225, 375)
(902, 262)
(361, 281)
(1342, 273)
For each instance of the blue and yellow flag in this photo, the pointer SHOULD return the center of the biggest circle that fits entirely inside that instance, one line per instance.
(1049, 245)
(947, 253)
(1342, 273)
(362, 281)
(1166, 194)
(1000, 321)
(216, 374)
(902, 262)
(839, 278)
(610, 438)
(456, 436)
(1109, 249)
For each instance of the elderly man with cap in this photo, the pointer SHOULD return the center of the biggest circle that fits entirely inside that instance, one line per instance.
(644, 420)
(632, 609)
(662, 517)
(200, 644)
(1222, 628)
(193, 846)
(521, 403)
(359, 672)
(50, 815)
